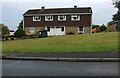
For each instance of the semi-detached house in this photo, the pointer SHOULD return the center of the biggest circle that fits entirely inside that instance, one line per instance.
(58, 21)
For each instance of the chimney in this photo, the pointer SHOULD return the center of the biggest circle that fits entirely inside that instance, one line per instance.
(75, 6)
(42, 7)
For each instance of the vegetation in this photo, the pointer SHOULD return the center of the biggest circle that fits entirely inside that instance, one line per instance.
(99, 42)
(70, 33)
(21, 24)
(111, 23)
(116, 17)
(5, 30)
(94, 26)
(19, 33)
(103, 28)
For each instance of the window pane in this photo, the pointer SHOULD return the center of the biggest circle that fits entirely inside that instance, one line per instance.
(32, 29)
(80, 28)
(62, 28)
(48, 28)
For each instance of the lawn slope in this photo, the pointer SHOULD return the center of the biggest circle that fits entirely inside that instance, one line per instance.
(99, 42)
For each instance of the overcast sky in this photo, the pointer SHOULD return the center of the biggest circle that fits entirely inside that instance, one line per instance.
(11, 10)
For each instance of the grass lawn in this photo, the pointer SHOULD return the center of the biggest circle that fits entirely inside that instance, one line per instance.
(99, 42)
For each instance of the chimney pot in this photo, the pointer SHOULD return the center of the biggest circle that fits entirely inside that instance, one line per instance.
(42, 7)
(75, 6)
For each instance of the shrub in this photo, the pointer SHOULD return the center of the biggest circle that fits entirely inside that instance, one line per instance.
(20, 33)
(70, 33)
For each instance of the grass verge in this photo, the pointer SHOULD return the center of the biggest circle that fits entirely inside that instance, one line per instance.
(99, 42)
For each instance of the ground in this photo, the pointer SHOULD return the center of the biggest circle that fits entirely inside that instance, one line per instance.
(98, 42)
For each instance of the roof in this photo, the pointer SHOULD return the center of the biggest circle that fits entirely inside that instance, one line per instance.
(59, 10)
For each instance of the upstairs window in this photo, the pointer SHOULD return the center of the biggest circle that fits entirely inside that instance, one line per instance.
(48, 18)
(36, 18)
(75, 17)
(61, 17)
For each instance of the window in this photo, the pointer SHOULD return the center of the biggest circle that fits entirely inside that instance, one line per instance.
(48, 28)
(75, 17)
(48, 18)
(32, 29)
(80, 30)
(61, 17)
(36, 18)
(62, 28)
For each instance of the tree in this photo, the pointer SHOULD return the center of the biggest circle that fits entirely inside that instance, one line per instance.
(94, 26)
(111, 23)
(116, 17)
(19, 32)
(21, 24)
(103, 28)
(5, 30)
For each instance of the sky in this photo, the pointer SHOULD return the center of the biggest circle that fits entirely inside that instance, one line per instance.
(11, 11)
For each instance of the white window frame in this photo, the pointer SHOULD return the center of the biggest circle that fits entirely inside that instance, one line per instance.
(32, 29)
(36, 18)
(47, 18)
(75, 16)
(80, 31)
(64, 18)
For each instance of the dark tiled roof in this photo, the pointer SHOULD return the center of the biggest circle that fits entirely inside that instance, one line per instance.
(59, 10)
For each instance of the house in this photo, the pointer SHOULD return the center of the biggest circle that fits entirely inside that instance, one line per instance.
(58, 21)
(112, 27)
(96, 29)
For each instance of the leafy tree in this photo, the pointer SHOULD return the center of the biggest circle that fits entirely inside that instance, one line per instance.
(19, 32)
(21, 24)
(111, 23)
(94, 26)
(103, 28)
(116, 17)
(4, 29)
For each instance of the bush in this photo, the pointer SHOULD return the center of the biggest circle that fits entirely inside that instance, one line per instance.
(103, 28)
(70, 33)
(20, 33)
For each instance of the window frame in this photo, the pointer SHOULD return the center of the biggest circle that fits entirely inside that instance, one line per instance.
(64, 17)
(46, 19)
(36, 18)
(75, 16)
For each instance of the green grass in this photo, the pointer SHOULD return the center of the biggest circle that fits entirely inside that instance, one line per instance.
(99, 42)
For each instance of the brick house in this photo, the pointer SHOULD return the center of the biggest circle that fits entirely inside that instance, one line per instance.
(96, 29)
(111, 27)
(58, 21)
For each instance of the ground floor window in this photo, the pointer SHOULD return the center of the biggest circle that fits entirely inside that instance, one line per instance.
(80, 30)
(48, 28)
(32, 29)
(62, 28)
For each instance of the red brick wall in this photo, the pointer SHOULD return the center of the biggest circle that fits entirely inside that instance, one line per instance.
(85, 20)
(111, 27)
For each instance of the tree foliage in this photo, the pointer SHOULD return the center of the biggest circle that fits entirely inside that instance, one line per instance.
(116, 17)
(4, 29)
(111, 23)
(94, 26)
(103, 28)
(21, 24)
(19, 32)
